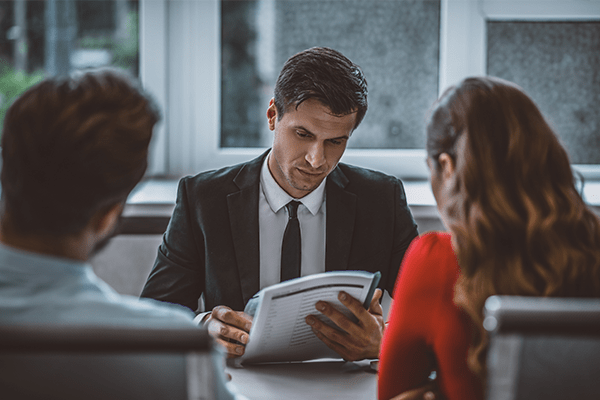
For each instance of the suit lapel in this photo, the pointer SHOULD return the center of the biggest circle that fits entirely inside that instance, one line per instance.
(243, 219)
(341, 209)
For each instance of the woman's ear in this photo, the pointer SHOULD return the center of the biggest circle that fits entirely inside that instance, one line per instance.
(447, 165)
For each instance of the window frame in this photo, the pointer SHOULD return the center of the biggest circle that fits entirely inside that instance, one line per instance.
(180, 66)
(467, 40)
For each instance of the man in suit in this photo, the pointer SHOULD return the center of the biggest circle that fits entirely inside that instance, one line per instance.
(225, 237)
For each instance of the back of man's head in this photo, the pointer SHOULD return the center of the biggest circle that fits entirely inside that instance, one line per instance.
(71, 147)
(325, 75)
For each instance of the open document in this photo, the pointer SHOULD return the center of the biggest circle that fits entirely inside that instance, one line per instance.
(279, 332)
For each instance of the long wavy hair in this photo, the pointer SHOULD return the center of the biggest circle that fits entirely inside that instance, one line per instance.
(519, 226)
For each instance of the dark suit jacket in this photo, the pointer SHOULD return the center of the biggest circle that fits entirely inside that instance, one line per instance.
(211, 245)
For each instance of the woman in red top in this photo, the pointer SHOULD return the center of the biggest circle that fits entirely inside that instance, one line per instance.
(505, 191)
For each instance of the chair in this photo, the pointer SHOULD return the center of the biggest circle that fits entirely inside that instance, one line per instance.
(104, 362)
(543, 348)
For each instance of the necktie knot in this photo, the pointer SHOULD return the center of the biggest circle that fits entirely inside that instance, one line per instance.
(292, 208)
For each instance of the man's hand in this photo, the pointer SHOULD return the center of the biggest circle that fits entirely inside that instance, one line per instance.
(230, 329)
(353, 341)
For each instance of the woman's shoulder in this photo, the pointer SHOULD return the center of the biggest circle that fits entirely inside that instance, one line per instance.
(430, 254)
(428, 269)
(432, 241)
(426, 252)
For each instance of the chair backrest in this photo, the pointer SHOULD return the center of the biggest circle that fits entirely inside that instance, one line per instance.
(543, 348)
(107, 362)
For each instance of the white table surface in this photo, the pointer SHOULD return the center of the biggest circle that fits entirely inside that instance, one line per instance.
(322, 379)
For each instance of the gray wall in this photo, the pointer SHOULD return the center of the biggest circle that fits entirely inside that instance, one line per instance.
(126, 262)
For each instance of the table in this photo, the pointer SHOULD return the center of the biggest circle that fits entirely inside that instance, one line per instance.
(319, 379)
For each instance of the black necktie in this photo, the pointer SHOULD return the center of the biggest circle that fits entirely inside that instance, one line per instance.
(290, 248)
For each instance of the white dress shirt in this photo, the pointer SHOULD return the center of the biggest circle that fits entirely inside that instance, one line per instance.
(272, 220)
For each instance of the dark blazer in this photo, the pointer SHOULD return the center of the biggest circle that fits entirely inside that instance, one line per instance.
(211, 245)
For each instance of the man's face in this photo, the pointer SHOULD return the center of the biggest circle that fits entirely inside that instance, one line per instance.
(308, 143)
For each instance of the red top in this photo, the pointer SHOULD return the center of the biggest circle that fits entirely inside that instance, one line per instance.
(425, 326)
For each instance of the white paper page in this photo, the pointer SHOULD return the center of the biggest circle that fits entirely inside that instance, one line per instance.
(279, 331)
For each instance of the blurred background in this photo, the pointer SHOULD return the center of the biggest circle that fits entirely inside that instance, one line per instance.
(212, 65)
(56, 37)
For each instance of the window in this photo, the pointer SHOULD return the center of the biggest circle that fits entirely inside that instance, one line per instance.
(513, 39)
(184, 60)
(395, 42)
(556, 62)
(56, 37)
(200, 132)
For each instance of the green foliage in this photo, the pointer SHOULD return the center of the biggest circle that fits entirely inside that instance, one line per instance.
(104, 42)
(126, 52)
(12, 84)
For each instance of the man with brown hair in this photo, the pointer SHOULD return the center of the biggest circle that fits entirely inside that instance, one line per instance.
(72, 150)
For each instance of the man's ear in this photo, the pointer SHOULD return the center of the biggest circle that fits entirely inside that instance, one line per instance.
(272, 114)
(447, 165)
(106, 219)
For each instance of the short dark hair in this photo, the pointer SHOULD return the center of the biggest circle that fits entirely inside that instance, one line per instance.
(326, 75)
(72, 146)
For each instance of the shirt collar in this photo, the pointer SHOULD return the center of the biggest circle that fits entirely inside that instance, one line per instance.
(278, 198)
(26, 262)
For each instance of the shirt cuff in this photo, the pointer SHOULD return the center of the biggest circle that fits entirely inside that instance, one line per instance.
(200, 318)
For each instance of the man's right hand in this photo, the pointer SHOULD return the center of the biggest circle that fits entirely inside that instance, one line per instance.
(230, 329)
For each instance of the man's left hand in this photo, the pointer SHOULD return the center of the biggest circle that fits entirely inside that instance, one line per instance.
(353, 340)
